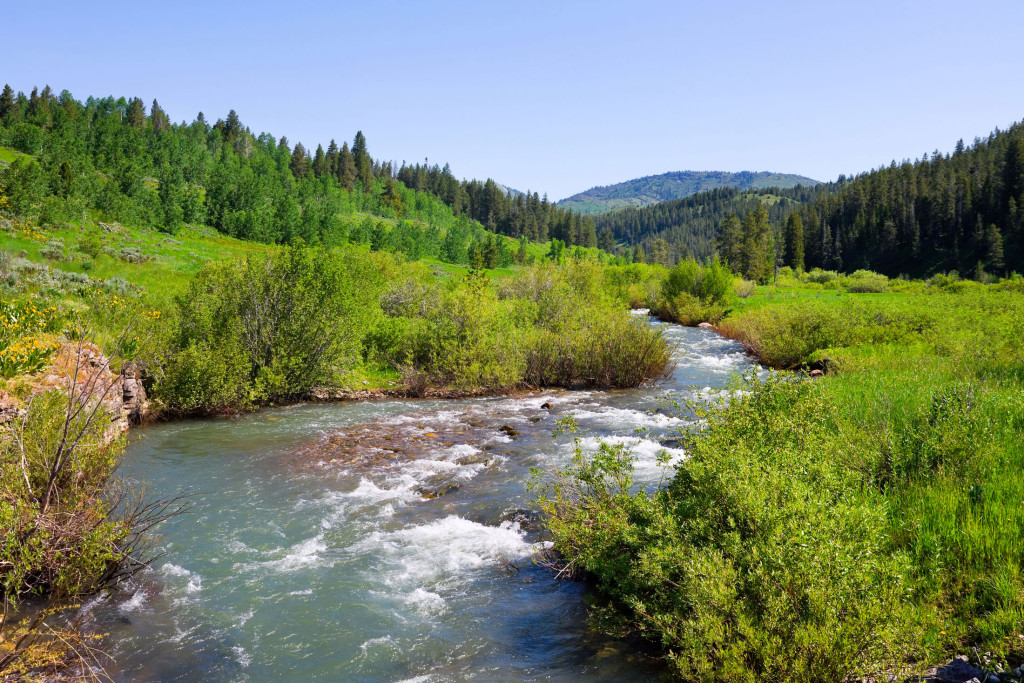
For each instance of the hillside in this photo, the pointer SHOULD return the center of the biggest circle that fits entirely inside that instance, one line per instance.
(131, 164)
(956, 211)
(676, 185)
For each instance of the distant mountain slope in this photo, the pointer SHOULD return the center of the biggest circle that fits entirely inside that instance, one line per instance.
(510, 191)
(675, 185)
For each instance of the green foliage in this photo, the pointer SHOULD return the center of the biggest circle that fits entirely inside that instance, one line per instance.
(268, 329)
(57, 537)
(23, 184)
(694, 293)
(852, 526)
(865, 281)
(545, 326)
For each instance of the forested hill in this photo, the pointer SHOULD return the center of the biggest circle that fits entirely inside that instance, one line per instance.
(121, 160)
(679, 228)
(958, 211)
(675, 185)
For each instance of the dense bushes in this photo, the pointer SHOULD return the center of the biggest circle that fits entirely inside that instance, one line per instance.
(268, 329)
(787, 334)
(695, 293)
(756, 563)
(546, 326)
(863, 525)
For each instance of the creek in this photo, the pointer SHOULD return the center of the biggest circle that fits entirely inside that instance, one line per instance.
(380, 541)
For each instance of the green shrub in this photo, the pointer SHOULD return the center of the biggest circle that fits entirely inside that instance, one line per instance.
(761, 560)
(91, 245)
(711, 282)
(53, 250)
(56, 534)
(785, 335)
(694, 293)
(744, 288)
(866, 281)
(546, 326)
(820, 277)
(268, 329)
(687, 309)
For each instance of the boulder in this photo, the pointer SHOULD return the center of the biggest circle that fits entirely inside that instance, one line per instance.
(509, 430)
(706, 326)
(957, 671)
(817, 373)
(442, 490)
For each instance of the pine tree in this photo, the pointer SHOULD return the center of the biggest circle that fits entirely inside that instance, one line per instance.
(158, 117)
(346, 168)
(730, 242)
(232, 126)
(757, 256)
(794, 253)
(6, 103)
(136, 113)
(660, 252)
(319, 162)
(363, 163)
(994, 253)
(300, 161)
(332, 159)
(638, 254)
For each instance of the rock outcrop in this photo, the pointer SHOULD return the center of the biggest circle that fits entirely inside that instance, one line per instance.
(83, 368)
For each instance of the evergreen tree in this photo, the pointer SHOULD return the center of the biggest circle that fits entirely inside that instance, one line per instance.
(232, 126)
(332, 159)
(994, 243)
(638, 254)
(757, 256)
(794, 251)
(158, 117)
(136, 113)
(361, 159)
(6, 104)
(730, 242)
(300, 161)
(346, 168)
(660, 252)
(319, 162)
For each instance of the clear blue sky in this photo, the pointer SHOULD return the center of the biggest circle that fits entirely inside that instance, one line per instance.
(554, 96)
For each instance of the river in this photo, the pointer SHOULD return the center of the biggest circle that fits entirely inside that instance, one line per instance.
(380, 541)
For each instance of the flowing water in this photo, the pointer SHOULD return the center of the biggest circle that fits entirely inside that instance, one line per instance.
(380, 541)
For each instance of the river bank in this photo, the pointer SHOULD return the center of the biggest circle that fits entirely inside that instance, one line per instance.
(292, 565)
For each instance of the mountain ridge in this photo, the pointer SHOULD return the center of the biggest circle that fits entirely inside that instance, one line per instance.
(652, 189)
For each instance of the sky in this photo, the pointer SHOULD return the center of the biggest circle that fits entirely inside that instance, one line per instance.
(554, 97)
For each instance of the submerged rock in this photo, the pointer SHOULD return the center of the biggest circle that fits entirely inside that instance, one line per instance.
(442, 490)
(526, 519)
(509, 430)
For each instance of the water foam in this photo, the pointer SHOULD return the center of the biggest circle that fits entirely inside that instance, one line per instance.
(303, 554)
(625, 417)
(447, 547)
(645, 453)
